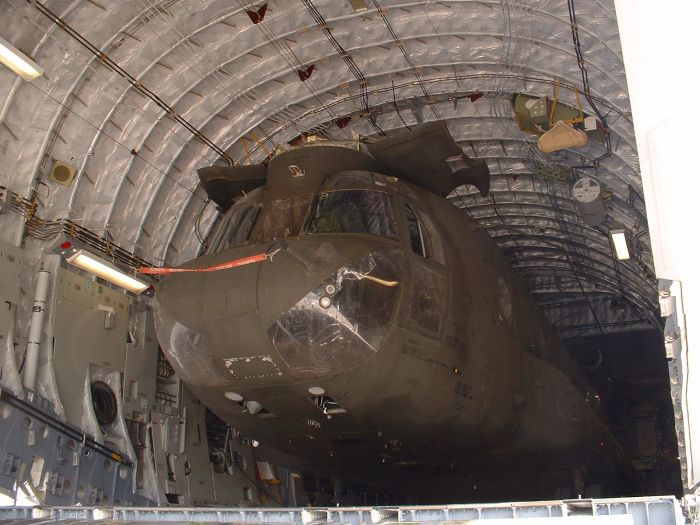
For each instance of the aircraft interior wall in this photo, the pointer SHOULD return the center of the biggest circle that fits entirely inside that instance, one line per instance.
(93, 411)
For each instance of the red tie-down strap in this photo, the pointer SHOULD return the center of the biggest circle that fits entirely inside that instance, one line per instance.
(223, 266)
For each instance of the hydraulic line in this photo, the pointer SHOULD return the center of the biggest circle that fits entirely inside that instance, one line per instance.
(31, 362)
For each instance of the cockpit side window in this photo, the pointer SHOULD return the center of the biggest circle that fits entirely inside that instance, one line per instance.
(237, 232)
(281, 218)
(424, 237)
(237, 223)
(354, 211)
(434, 246)
(415, 232)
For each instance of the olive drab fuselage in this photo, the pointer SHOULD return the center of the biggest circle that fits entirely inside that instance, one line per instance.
(386, 328)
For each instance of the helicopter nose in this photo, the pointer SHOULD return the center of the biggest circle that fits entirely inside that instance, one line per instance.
(197, 299)
(322, 308)
(342, 321)
(189, 351)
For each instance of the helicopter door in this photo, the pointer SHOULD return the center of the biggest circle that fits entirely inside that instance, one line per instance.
(429, 292)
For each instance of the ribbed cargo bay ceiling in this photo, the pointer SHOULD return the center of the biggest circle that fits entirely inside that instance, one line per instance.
(137, 95)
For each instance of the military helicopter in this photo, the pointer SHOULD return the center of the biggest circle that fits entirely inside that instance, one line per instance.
(355, 322)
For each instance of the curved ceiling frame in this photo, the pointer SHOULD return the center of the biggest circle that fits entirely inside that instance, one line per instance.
(215, 22)
(618, 212)
(162, 197)
(503, 220)
(483, 118)
(559, 247)
(536, 221)
(628, 136)
(161, 178)
(591, 240)
(584, 251)
(80, 79)
(581, 274)
(613, 173)
(612, 177)
(381, 109)
(563, 298)
(570, 210)
(603, 43)
(586, 272)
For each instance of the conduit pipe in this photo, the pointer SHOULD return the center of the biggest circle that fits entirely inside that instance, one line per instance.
(31, 360)
(10, 375)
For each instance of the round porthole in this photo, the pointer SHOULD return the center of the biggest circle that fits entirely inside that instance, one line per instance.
(103, 403)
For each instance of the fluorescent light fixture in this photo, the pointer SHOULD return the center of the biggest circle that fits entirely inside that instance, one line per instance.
(101, 268)
(619, 242)
(18, 62)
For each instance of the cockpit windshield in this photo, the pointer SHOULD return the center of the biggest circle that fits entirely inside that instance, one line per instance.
(281, 218)
(238, 230)
(237, 224)
(354, 211)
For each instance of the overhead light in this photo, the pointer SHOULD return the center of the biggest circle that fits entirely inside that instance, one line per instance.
(619, 242)
(101, 268)
(18, 62)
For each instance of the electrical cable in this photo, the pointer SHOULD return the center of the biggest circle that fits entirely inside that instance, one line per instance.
(442, 43)
(572, 261)
(290, 58)
(185, 41)
(414, 69)
(584, 80)
(396, 106)
(349, 62)
(452, 94)
(572, 253)
(498, 214)
(46, 230)
(135, 83)
(67, 105)
(554, 242)
(105, 134)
